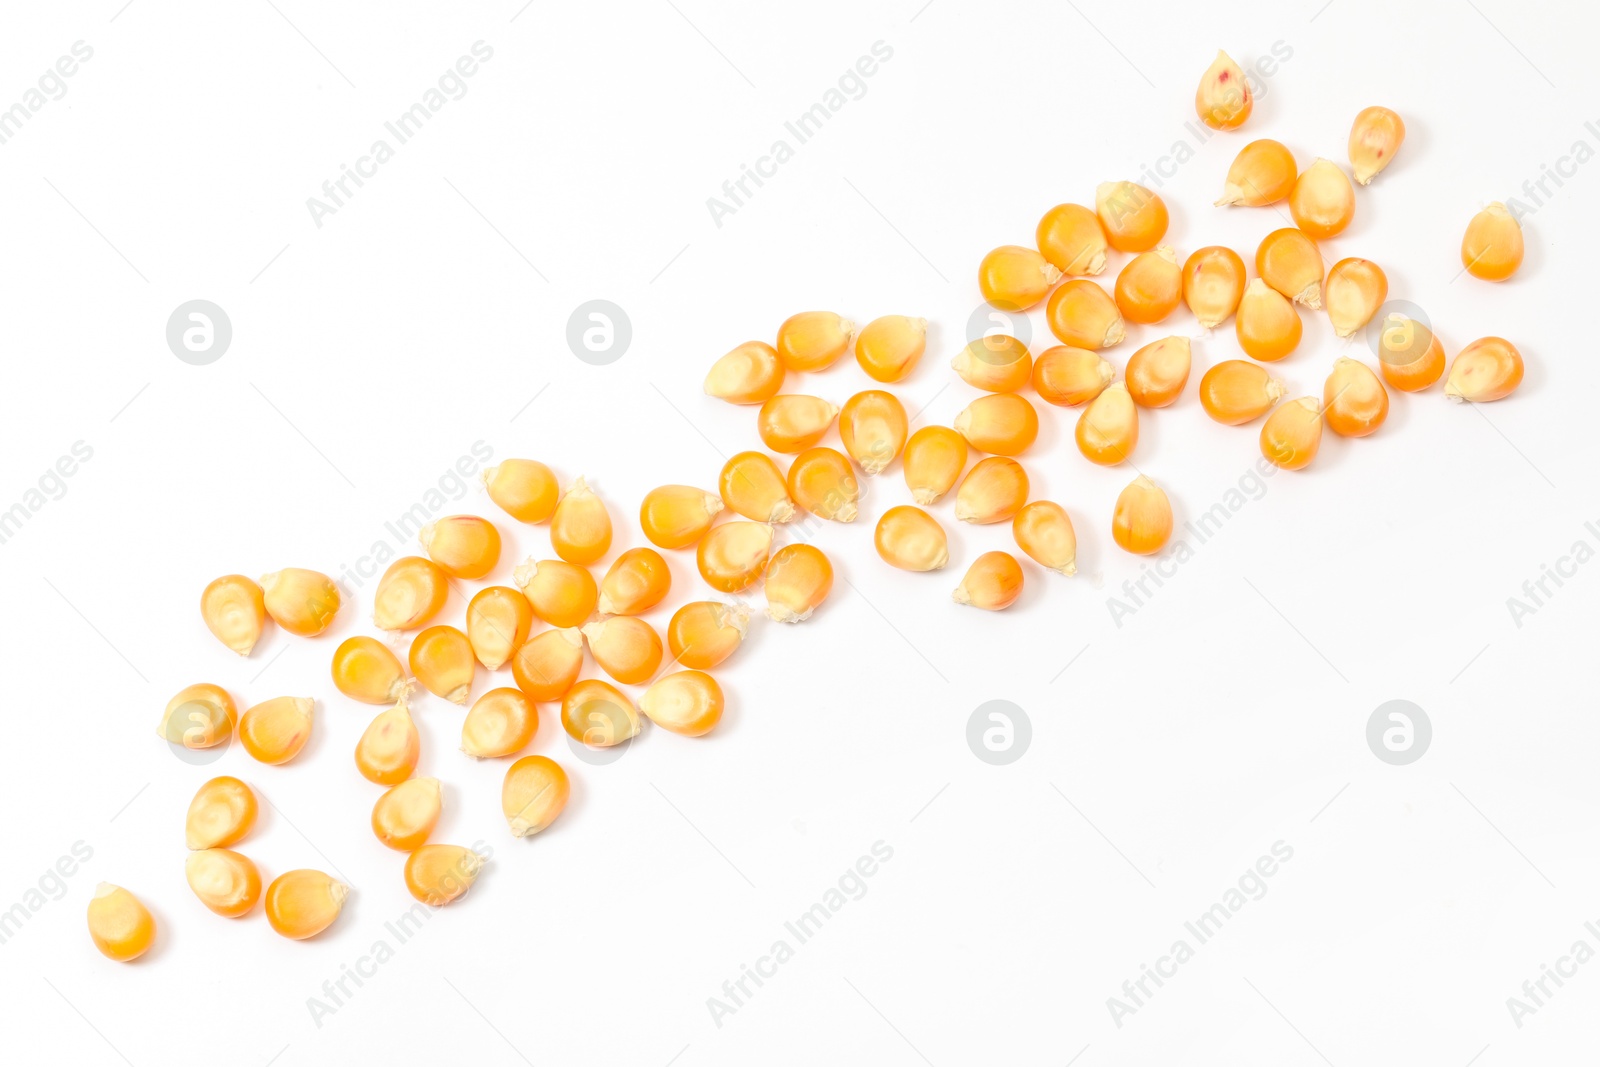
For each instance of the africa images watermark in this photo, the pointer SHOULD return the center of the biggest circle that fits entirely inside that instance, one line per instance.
(52, 85)
(50, 885)
(51, 485)
(1536, 992)
(1537, 192)
(1537, 592)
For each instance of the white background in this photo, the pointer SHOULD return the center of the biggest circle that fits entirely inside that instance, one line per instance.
(1167, 754)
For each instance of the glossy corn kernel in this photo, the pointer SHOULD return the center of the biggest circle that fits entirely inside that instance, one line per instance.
(793, 422)
(799, 579)
(1014, 278)
(1355, 290)
(389, 747)
(1292, 433)
(301, 601)
(234, 611)
(412, 591)
(364, 669)
(703, 633)
(442, 660)
(1133, 218)
(888, 348)
(813, 340)
(1354, 401)
(121, 927)
(676, 516)
(1044, 531)
(1409, 355)
(1490, 368)
(1084, 315)
(1108, 430)
(1267, 325)
(1150, 287)
(303, 903)
(749, 374)
(580, 529)
(499, 723)
(1067, 376)
(598, 715)
(1323, 201)
(1142, 520)
(199, 716)
(560, 593)
(1262, 173)
(1492, 246)
(998, 363)
(873, 426)
(534, 792)
(993, 582)
(636, 582)
(994, 490)
(732, 556)
(911, 539)
(822, 482)
(225, 881)
(1158, 371)
(222, 812)
(1002, 424)
(753, 486)
(1237, 391)
(1375, 137)
(1223, 100)
(934, 459)
(498, 621)
(627, 648)
(407, 813)
(1071, 240)
(274, 731)
(525, 489)
(440, 874)
(1291, 263)
(546, 665)
(464, 546)
(685, 702)
(1213, 284)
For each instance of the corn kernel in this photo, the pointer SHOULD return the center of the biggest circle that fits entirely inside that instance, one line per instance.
(598, 715)
(301, 601)
(994, 490)
(121, 927)
(1142, 520)
(625, 647)
(498, 621)
(1213, 284)
(799, 579)
(1409, 354)
(1002, 424)
(872, 425)
(911, 539)
(407, 813)
(934, 459)
(676, 516)
(560, 593)
(525, 489)
(822, 481)
(1237, 391)
(440, 874)
(1070, 238)
(753, 486)
(749, 374)
(364, 669)
(1158, 371)
(1262, 173)
(1355, 290)
(274, 731)
(1014, 278)
(732, 556)
(998, 363)
(1134, 218)
(1291, 263)
(1084, 315)
(1322, 202)
(303, 903)
(636, 582)
(1044, 531)
(546, 666)
(1353, 399)
(888, 348)
(1223, 100)
(222, 812)
(1292, 433)
(686, 702)
(1268, 326)
(813, 340)
(705, 632)
(793, 422)
(1490, 368)
(225, 881)
(499, 723)
(993, 582)
(580, 529)
(412, 591)
(199, 716)
(389, 747)
(1492, 246)
(442, 660)
(1067, 376)
(1108, 429)
(234, 611)
(465, 546)
(1150, 287)
(534, 793)
(1374, 139)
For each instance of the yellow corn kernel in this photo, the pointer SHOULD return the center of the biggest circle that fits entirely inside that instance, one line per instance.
(799, 578)
(222, 812)
(934, 459)
(732, 556)
(364, 669)
(1223, 100)
(625, 647)
(1488, 369)
(225, 881)
(1142, 520)
(440, 874)
(1237, 391)
(499, 723)
(1353, 399)
(1262, 173)
(749, 374)
(1268, 326)
(676, 516)
(580, 529)
(1409, 354)
(1067, 376)
(1044, 531)
(1492, 246)
(793, 422)
(412, 591)
(822, 481)
(121, 926)
(911, 539)
(303, 903)
(993, 582)
(546, 666)
(534, 793)
(1292, 433)
(274, 731)
(465, 546)
(813, 340)
(1158, 372)
(998, 363)
(994, 490)
(1355, 290)
(301, 601)
(525, 489)
(1374, 139)
(1134, 218)
(442, 660)
(389, 747)
(1084, 315)
(1150, 287)
(1108, 429)
(1014, 278)
(407, 813)
(753, 486)
(1213, 284)
(888, 348)
(199, 716)
(636, 582)
(560, 593)
(1322, 202)
(498, 621)
(598, 715)
(234, 611)
(703, 633)
(872, 425)
(1291, 263)
(686, 702)
(1070, 238)
(1002, 424)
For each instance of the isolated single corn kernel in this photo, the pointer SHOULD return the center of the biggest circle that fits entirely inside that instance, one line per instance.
(799, 579)
(442, 660)
(1292, 433)
(813, 340)
(1291, 263)
(596, 714)
(1150, 287)
(1237, 391)
(1044, 531)
(546, 665)
(499, 723)
(1014, 278)
(685, 702)
(274, 731)
(873, 426)
(1267, 325)
(222, 812)
(793, 422)
(993, 582)
(749, 374)
(732, 556)
(199, 716)
(636, 582)
(625, 647)
(121, 927)
(1374, 139)
(234, 611)
(1223, 100)
(498, 621)
(934, 459)
(1322, 201)
(1142, 520)
(407, 813)
(580, 529)
(1409, 354)
(1084, 315)
(534, 792)
(440, 874)
(225, 881)
(1001, 424)
(703, 633)
(996, 362)
(888, 348)
(994, 490)
(1355, 290)
(560, 593)
(364, 669)
(1354, 401)
(822, 482)
(911, 539)
(303, 903)
(525, 489)
(676, 516)
(1158, 371)
(1070, 238)
(1213, 284)
(412, 591)
(753, 486)
(1262, 173)
(1490, 368)
(301, 601)
(1067, 376)
(1492, 246)
(465, 546)
(1108, 429)
(390, 746)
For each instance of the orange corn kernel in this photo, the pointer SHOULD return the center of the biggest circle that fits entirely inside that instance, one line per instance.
(222, 812)
(1374, 139)
(676, 516)
(749, 374)
(1213, 284)
(1237, 391)
(225, 881)
(1108, 429)
(1268, 326)
(580, 529)
(407, 813)
(1492, 246)
(753, 486)
(998, 363)
(993, 582)
(499, 723)
(274, 731)
(596, 714)
(636, 582)
(793, 422)
(1014, 278)
(888, 348)
(733, 556)
(1070, 238)
(813, 340)
(389, 748)
(443, 661)
(1262, 173)
(303, 903)
(1353, 399)
(1223, 100)
(994, 490)
(235, 611)
(441, 874)
(1291, 263)
(1067, 376)
(1142, 520)
(1409, 354)
(703, 633)
(535, 791)
(934, 459)
(560, 593)
(625, 647)
(1158, 372)
(525, 489)
(1292, 433)
(873, 426)
(364, 669)
(1134, 218)
(1150, 287)
(412, 591)
(1044, 531)
(799, 579)
(546, 665)
(1002, 424)
(1355, 290)
(119, 924)
(301, 601)
(1084, 315)
(822, 481)
(498, 621)
(911, 539)
(199, 716)
(1323, 201)
(1490, 368)
(686, 702)
(466, 546)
